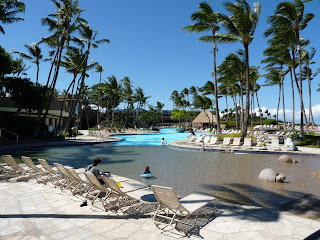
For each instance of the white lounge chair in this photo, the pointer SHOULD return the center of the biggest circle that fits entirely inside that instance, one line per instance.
(17, 170)
(80, 186)
(170, 206)
(52, 175)
(97, 191)
(213, 142)
(124, 202)
(275, 144)
(236, 142)
(198, 140)
(247, 144)
(38, 172)
(226, 142)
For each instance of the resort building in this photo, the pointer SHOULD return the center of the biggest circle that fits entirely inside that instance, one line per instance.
(52, 119)
(204, 119)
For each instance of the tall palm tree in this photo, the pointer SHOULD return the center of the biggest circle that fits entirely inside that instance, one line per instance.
(240, 27)
(62, 24)
(88, 38)
(114, 89)
(99, 69)
(207, 20)
(73, 62)
(289, 20)
(34, 55)
(274, 77)
(307, 74)
(8, 11)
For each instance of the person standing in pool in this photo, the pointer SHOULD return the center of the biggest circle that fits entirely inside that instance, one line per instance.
(162, 142)
(147, 170)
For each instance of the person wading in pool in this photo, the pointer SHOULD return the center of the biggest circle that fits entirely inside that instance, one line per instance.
(147, 170)
(162, 142)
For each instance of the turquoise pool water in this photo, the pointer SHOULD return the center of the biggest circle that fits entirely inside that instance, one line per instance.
(169, 135)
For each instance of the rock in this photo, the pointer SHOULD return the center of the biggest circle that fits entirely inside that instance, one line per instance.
(286, 159)
(316, 174)
(308, 206)
(271, 175)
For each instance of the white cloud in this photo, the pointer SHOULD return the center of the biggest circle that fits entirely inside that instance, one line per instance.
(273, 111)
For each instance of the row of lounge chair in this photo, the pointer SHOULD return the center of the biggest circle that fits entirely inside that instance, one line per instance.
(235, 143)
(110, 196)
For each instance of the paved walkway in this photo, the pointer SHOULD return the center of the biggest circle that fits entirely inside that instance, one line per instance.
(34, 211)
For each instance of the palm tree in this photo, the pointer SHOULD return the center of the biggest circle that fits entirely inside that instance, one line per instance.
(207, 20)
(203, 103)
(19, 67)
(114, 89)
(240, 27)
(62, 23)
(87, 37)
(73, 62)
(289, 20)
(34, 55)
(307, 74)
(99, 70)
(274, 77)
(8, 11)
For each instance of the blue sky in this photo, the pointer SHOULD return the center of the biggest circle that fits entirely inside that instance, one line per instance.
(148, 45)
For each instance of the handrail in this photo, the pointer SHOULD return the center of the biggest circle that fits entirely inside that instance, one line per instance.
(17, 141)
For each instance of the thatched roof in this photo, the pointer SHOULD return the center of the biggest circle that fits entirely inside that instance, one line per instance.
(203, 117)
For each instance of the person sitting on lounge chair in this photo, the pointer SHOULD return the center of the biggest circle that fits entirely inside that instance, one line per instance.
(93, 168)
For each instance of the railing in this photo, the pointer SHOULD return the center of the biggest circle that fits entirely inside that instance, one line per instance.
(17, 140)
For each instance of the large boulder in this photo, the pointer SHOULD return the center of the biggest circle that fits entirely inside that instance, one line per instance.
(271, 175)
(286, 159)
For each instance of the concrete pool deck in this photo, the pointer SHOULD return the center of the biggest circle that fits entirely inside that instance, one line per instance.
(35, 211)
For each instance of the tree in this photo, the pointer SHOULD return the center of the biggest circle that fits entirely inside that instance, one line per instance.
(289, 20)
(240, 27)
(207, 20)
(274, 77)
(203, 103)
(99, 70)
(19, 67)
(8, 11)
(34, 55)
(114, 89)
(62, 23)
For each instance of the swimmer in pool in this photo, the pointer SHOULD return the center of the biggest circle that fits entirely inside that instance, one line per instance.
(147, 170)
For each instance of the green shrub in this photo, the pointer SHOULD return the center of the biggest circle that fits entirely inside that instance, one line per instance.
(269, 121)
(308, 140)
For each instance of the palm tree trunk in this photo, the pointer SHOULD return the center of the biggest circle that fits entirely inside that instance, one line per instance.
(301, 93)
(283, 106)
(236, 110)
(37, 79)
(246, 117)
(98, 110)
(241, 106)
(260, 113)
(293, 107)
(252, 107)
(278, 107)
(310, 103)
(216, 86)
(64, 100)
(226, 96)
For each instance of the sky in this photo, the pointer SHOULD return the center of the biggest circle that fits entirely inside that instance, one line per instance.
(148, 45)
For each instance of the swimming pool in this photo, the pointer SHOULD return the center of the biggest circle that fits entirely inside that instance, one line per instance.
(231, 177)
(169, 135)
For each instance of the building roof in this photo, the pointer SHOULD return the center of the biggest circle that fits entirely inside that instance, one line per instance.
(203, 117)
